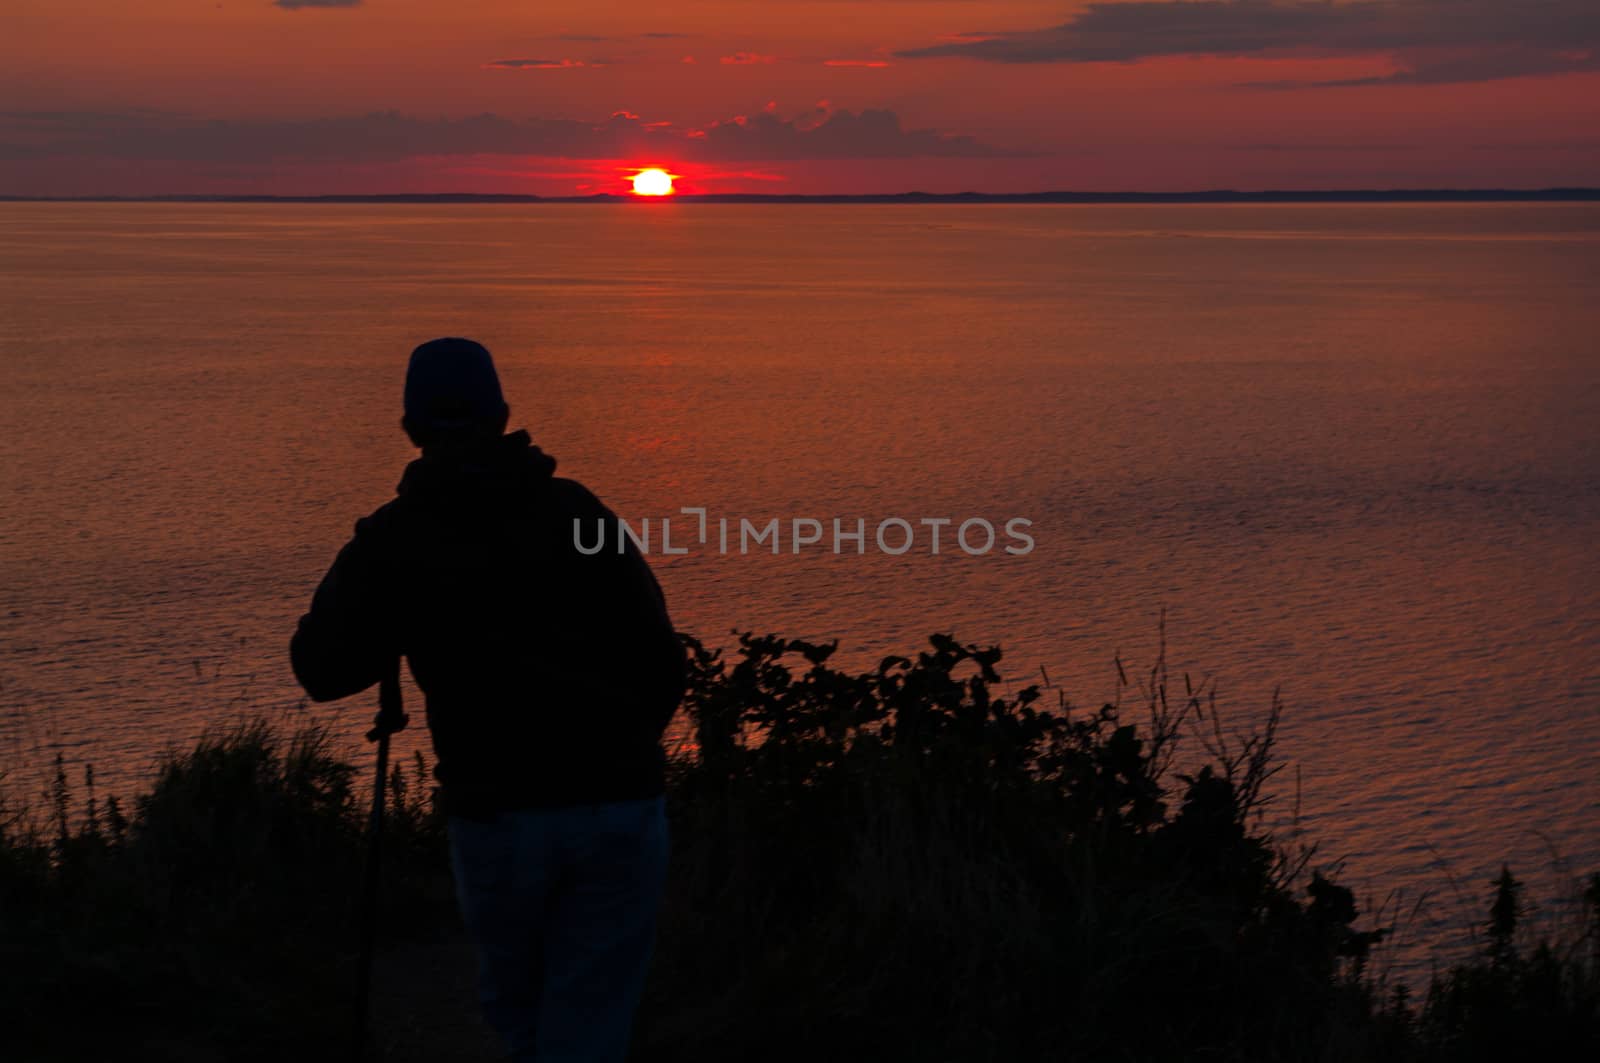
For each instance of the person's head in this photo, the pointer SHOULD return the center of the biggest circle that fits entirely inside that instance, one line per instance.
(453, 400)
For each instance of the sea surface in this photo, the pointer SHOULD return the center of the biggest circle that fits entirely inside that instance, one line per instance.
(1350, 452)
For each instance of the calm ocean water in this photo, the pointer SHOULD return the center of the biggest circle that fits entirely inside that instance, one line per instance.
(1352, 451)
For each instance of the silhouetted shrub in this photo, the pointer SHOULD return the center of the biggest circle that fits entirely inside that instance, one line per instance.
(908, 861)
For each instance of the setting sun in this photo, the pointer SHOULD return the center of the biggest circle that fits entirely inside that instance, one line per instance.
(652, 183)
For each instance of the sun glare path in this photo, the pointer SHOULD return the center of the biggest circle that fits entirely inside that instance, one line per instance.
(652, 182)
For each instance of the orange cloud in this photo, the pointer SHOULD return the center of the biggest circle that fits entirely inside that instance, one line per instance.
(747, 59)
(855, 62)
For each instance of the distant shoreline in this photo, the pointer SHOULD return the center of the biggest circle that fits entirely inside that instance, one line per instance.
(1221, 196)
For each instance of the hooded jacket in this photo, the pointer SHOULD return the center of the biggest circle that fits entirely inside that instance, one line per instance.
(549, 674)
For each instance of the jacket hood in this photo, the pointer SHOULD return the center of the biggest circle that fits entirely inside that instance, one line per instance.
(510, 464)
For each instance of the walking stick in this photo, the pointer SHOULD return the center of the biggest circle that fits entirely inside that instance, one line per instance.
(391, 718)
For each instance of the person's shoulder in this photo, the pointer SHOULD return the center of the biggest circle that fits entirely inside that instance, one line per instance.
(384, 521)
(569, 494)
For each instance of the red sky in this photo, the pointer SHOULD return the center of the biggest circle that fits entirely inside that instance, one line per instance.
(562, 97)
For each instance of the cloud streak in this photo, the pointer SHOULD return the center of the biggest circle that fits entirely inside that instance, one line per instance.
(391, 136)
(1430, 41)
(296, 5)
(534, 64)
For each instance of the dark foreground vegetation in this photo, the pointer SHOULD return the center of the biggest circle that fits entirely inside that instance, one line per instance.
(919, 862)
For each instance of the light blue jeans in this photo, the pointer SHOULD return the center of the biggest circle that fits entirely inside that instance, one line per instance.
(562, 905)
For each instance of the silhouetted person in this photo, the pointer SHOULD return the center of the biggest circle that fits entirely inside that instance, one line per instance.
(549, 677)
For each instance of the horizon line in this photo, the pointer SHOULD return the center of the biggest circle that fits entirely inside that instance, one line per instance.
(1368, 195)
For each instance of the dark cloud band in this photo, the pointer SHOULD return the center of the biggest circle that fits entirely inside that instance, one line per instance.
(390, 136)
(1432, 41)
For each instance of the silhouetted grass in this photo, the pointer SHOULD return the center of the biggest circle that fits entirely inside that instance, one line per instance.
(211, 920)
(912, 862)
